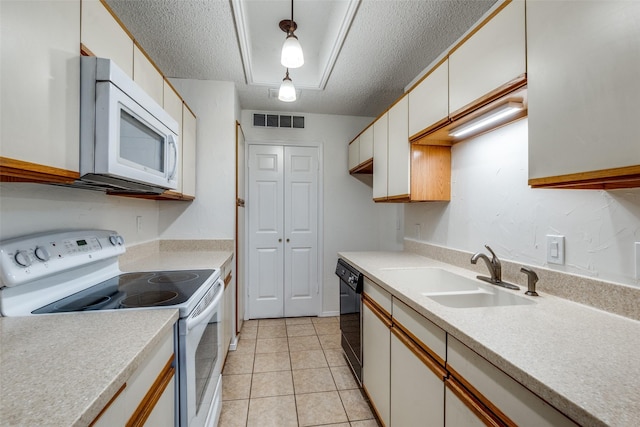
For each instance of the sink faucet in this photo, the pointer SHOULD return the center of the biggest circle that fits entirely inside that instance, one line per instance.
(495, 269)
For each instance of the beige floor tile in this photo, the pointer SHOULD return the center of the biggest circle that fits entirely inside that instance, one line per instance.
(356, 405)
(330, 341)
(246, 346)
(335, 357)
(327, 328)
(343, 377)
(249, 333)
(308, 359)
(269, 362)
(272, 331)
(271, 345)
(300, 330)
(320, 408)
(279, 411)
(271, 322)
(332, 319)
(313, 380)
(268, 384)
(365, 423)
(238, 363)
(304, 343)
(253, 323)
(298, 321)
(234, 413)
(235, 387)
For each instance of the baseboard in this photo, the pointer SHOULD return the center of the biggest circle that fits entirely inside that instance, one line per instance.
(329, 314)
(234, 343)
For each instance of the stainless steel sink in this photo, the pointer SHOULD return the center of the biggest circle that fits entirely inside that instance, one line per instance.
(451, 289)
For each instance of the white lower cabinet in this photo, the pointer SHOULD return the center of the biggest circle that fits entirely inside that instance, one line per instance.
(478, 384)
(376, 348)
(148, 396)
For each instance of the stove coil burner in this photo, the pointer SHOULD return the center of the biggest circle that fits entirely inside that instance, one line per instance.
(173, 277)
(148, 299)
(85, 303)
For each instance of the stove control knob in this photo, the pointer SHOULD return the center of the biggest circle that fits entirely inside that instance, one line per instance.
(113, 239)
(42, 253)
(120, 240)
(22, 258)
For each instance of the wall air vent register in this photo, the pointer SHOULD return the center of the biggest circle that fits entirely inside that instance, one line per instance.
(278, 121)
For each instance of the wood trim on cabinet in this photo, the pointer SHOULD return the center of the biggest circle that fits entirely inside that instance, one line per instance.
(399, 198)
(421, 353)
(380, 312)
(12, 170)
(471, 402)
(373, 406)
(401, 328)
(227, 280)
(478, 398)
(167, 195)
(361, 132)
(604, 179)
(113, 399)
(85, 51)
(499, 92)
(418, 137)
(430, 173)
(148, 403)
(364, 167)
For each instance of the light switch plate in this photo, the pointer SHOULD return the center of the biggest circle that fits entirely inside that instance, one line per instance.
(637, 245)
(555, 249)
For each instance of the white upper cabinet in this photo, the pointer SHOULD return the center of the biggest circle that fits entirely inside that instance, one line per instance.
(399, 178)
(380, 157)
(583, 68)
(429, 101)
(104, 37)
(40, 84)
(147, 76)
(354, 153)
(491, 58)
(173, 105)
(189, 139)
(366, 145)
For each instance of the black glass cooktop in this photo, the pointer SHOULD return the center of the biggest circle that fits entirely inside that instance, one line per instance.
(134, 290)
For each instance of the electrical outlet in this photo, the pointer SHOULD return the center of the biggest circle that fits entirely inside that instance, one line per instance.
(637, 245)
(555, 249)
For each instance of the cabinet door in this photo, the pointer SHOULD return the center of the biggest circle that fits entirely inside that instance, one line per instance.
(147, 76)
(376, 358)
(417, 392)
(172, 104)
(104, 37)
(366, 145)
(583, 88)
(380, 157)
(189, 142)
(40, 83)
(399, 150)
(458, 414)
(492, 57)
(354, 153)
(163, 413)
(429, 101)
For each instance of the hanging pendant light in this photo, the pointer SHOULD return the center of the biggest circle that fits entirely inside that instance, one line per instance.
(287, 91)
(292, 56)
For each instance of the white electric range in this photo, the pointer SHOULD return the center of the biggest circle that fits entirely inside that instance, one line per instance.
(77, 271)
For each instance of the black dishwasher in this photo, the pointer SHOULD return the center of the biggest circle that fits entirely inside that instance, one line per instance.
(350, 318)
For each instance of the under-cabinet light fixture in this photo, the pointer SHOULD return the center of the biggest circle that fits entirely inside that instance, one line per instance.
(287, 92)
(493, 116)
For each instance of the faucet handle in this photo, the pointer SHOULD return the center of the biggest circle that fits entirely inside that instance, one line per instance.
(532, 279)
(494, 258)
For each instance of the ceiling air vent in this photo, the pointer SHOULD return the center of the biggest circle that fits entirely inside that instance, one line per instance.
(278, 121)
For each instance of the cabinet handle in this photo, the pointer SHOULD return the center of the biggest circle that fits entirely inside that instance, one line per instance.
(419, 352)
(475, 405)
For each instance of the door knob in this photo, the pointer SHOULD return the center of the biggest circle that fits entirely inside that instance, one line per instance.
(279, 240)
(287, 240)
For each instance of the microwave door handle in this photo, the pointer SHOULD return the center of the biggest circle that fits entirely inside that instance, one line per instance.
(172, 142)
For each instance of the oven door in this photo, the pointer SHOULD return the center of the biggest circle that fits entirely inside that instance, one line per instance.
(200, 348)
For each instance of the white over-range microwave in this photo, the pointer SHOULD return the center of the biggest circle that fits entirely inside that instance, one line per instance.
(127, 141)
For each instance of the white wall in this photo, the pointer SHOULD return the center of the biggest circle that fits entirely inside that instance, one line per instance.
(351, 220)
(491, 203)
(32, 208)
(212, 214)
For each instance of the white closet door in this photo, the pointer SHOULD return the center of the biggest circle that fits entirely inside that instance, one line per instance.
(265, 206)
(301, 290)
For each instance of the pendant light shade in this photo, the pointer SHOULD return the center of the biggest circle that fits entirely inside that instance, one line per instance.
(287, 91)
(292, 56)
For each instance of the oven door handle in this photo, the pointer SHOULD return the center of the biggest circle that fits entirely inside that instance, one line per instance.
(193, 321)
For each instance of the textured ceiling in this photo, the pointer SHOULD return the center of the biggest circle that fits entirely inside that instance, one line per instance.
(389, 43)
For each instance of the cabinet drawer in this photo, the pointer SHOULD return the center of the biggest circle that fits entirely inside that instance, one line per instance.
(421, 330)
(498, 391)
(379, 295)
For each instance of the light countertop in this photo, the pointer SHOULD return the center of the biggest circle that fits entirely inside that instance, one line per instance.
(62, 370)
(177, 260)
(581, 360)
